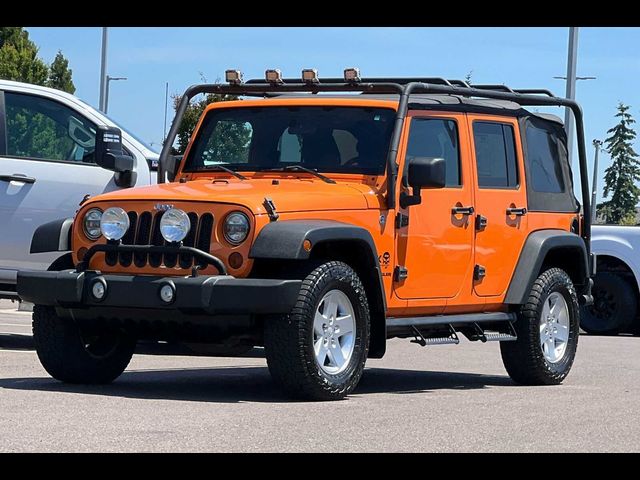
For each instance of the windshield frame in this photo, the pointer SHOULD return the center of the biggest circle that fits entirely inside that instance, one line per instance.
(317, 102)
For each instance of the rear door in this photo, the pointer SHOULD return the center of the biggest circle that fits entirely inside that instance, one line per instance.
(500, 199)
(46, 168)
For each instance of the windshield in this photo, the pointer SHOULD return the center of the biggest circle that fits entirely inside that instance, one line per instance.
(324, 138)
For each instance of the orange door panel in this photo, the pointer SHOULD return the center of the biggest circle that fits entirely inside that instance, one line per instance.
(436, 247)
(501, 201)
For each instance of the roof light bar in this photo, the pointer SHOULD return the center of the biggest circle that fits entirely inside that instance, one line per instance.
(234, 77)
(273, 76)
(310, 75)
(352, 75)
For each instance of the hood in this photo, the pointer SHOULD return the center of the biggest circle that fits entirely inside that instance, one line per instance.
(289, 195)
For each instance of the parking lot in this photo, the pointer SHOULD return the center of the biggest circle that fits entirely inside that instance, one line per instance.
(443, 398)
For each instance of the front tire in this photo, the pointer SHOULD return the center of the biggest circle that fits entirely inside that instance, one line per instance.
(318, 351)
(547, 329)
(70, 357)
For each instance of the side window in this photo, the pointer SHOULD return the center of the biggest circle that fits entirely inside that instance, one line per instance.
(544, 161)
(495, 155)
(229, 142)
(436, 138)
(47, 130)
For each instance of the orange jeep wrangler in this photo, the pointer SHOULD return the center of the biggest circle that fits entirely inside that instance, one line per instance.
(319, 218)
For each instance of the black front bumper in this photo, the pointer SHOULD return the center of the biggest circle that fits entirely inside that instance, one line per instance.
(201, 295)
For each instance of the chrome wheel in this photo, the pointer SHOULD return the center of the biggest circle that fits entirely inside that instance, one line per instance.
(334, 332)
(554, 327)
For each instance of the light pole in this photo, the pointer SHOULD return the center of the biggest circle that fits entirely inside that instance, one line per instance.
(106, 97)
(594, 187)
(103, 71)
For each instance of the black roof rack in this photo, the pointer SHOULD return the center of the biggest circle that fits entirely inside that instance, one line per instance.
(404, 87)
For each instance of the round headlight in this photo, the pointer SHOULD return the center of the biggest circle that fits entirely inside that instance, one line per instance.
(114, 223)
(91, 223)
(174, 225)
(236, 228)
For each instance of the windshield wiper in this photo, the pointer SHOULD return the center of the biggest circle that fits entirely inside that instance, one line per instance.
(300, 168)
(226, 169)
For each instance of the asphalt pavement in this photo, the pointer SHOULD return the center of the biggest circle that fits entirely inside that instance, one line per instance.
(450, 398)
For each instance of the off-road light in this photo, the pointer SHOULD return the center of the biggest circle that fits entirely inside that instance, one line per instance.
(167, 293)
(174, 225)
(98, 290)
(273, 76)
(310, 75)
(233, 76)
(114, 223)
(91, 223)
(352, 75)
(236, 228)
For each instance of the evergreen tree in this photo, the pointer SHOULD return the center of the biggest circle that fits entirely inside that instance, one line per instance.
(19, 59)
(60, 74)
(621, 176)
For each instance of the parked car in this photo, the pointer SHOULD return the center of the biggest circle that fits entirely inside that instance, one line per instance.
(615, 289)
(48, 165)
(319, 226)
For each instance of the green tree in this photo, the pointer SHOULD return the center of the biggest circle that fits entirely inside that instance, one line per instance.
(192, 115)
(19, 59)
(621, 176)
(60, 74)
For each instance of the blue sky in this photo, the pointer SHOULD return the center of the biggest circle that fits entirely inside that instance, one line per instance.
(519, 57)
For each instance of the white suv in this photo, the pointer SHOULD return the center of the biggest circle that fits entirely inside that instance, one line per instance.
(47, 166)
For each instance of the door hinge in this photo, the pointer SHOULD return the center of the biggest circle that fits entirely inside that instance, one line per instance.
(402, 220)
(481, 222)
(400, 273)
(270, 207)
(479, 272)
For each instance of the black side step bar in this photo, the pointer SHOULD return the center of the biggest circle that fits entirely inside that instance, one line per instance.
(451, 319)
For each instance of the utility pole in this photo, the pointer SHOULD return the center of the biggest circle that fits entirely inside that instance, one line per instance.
(594, 187)
(572, 60)
(103, 72)
(106, 96)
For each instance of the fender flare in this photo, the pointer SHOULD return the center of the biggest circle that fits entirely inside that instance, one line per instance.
(536, 248)
(52, 236)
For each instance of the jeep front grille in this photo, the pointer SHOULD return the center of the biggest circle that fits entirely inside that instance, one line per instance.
(145, 230)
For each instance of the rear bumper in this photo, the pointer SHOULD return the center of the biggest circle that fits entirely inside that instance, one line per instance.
(209, 295)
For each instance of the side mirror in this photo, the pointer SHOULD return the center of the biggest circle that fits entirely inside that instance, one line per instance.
(423, 172)
(110, 156)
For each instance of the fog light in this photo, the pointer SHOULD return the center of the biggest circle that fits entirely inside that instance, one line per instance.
(310, 75)
(167, 293)
(98, 290)
(273, 76)
(233, 77)
(352, 75)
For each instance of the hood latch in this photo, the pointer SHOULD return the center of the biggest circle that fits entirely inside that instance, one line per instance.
(270, 207)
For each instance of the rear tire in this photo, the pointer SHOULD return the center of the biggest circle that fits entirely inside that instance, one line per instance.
(614, 306)
(547, 328)
(69, 357)
(318, 351)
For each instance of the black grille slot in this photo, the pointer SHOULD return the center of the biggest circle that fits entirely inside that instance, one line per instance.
(143, 233)
(186, 259)
(205, 228)
(125, 258)
(155, 259)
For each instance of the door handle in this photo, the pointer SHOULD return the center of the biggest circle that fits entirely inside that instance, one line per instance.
(517, 211)
(462, 211)
(17, 177)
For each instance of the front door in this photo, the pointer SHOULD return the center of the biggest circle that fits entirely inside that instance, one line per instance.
(436, 246)
(501, 202)
(46, 168)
